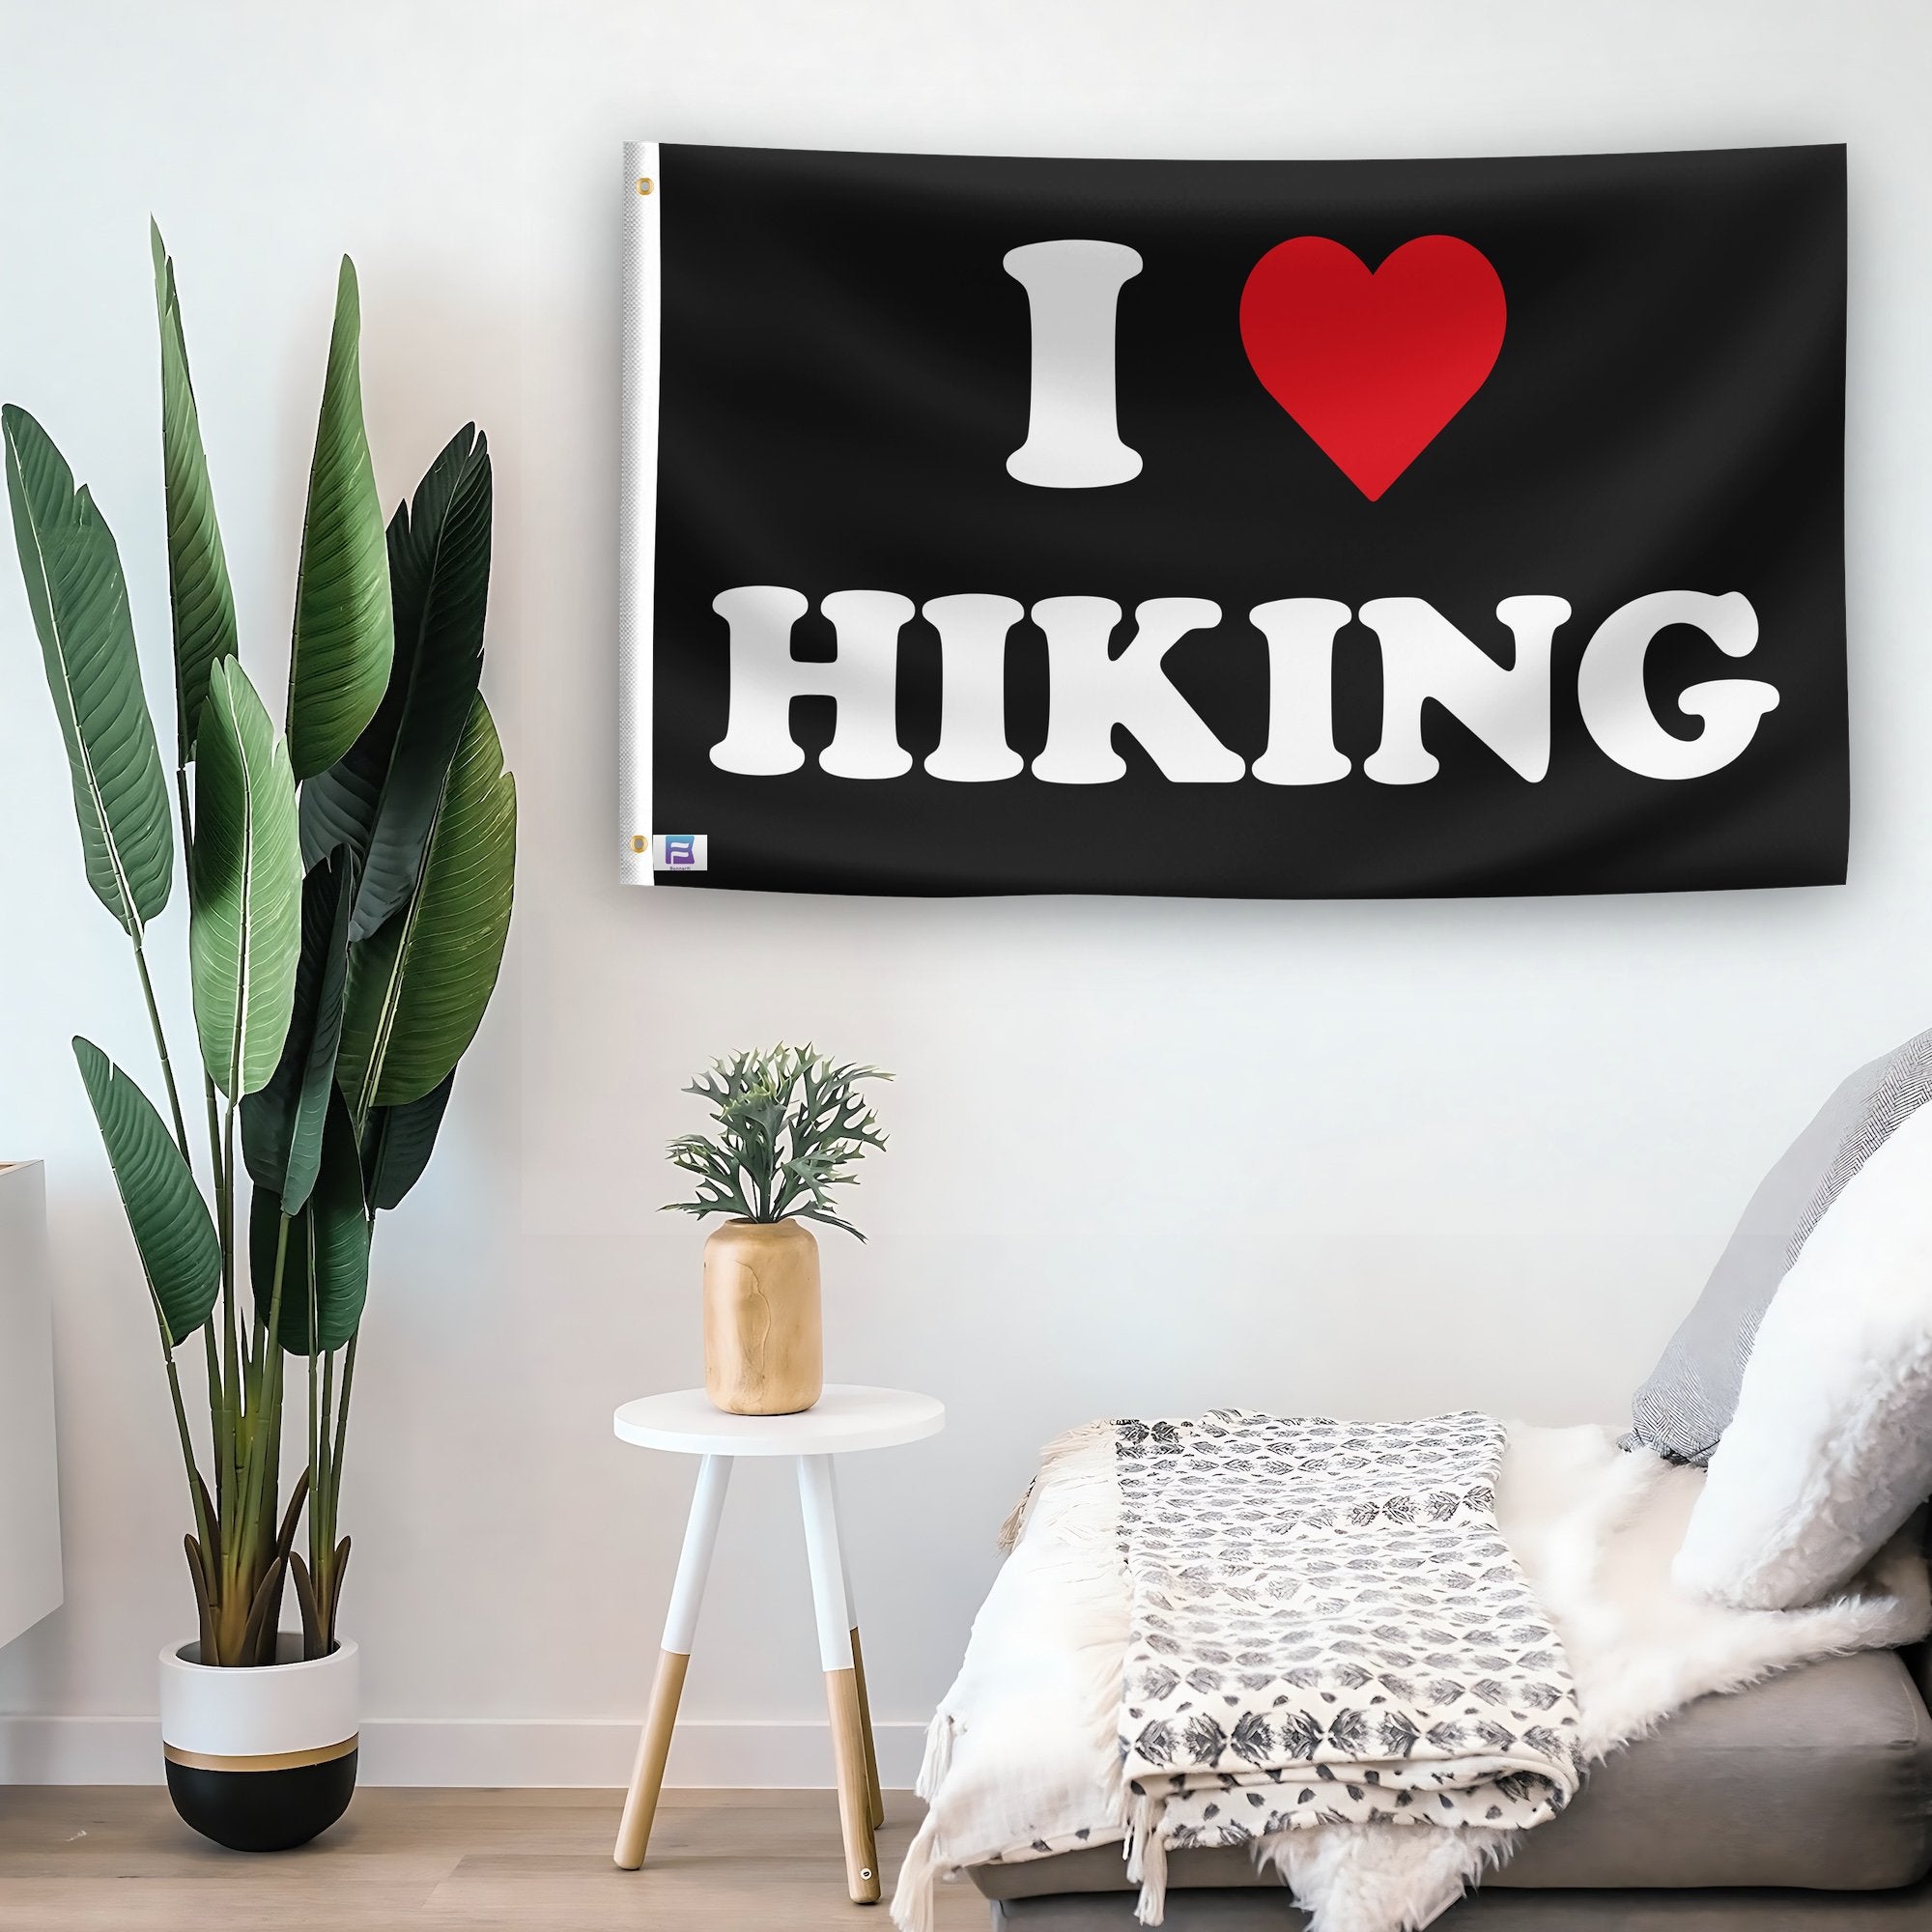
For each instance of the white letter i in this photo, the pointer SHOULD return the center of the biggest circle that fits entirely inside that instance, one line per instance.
(1073, 291)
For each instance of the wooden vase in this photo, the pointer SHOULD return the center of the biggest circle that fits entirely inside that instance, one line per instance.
(764, 1349)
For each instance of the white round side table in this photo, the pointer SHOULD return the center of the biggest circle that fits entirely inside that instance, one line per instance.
(845, 1418)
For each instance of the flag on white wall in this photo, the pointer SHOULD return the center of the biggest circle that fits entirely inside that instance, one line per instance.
(1254, 528)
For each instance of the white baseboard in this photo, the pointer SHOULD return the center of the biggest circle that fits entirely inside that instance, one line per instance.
(479, 1751)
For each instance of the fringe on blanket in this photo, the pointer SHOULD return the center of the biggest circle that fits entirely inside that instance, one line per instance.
(922, 1869)
(1146, 1859)
(938, 1758)
(1058, 1453)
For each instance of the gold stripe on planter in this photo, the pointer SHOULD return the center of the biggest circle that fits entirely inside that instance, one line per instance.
(268, 1761)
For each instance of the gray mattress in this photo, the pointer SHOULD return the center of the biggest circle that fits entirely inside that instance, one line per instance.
(1813, 1790)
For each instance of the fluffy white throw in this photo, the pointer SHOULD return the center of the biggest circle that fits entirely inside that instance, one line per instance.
(1023, 1756)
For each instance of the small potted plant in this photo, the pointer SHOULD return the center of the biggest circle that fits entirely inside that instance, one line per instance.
(790, 1126)
(349, 889)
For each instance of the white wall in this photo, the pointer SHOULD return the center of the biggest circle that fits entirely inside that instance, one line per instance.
(1147, 1156)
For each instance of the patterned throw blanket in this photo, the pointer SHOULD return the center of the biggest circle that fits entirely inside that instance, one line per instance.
(1327, 1627)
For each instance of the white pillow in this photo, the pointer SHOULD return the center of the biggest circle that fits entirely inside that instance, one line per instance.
(1831, 1449)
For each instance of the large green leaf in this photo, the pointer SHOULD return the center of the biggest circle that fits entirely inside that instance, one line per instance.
(380, 799)
(325, 1264)
(198, 590)
(344, 636)
(173, 1233)
(281, 1126)
(245, 883)
(79, 601)
(419, 987)
(398, 1141)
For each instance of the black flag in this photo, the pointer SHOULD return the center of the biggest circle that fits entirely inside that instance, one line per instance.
(1304, 529)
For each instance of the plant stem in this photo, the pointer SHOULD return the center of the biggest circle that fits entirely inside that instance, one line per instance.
(341, 1425)
(194, 1488)
(161, 1048)
(235, 1419)
(323, 1528)
(243, 1567)
(266, 1406)
(214, 1133)
(215, 1436)
(322, 1518)
(316, 1433)
(231, 1358)
(218, 1432)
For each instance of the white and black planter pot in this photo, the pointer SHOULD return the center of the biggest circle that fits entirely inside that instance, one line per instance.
(260, 1760)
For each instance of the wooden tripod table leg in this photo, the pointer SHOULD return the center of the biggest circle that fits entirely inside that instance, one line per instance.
(878, 1801)
(855, 1797)
(820, 1510)
(874, 1796)
(694, 1564)
(640, 1801)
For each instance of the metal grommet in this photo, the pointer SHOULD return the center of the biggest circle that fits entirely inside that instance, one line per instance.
(640, 843)
(643, 184)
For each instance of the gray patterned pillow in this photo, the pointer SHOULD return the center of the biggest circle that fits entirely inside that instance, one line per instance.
(1693, 1393)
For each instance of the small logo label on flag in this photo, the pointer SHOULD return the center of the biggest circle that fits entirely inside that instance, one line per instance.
(678, 852)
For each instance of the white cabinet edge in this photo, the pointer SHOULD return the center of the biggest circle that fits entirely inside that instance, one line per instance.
(30, 1553)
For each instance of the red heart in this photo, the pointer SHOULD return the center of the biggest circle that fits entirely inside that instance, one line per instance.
(1373, 366)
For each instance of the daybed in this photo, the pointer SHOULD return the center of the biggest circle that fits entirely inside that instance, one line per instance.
(1804, 1802)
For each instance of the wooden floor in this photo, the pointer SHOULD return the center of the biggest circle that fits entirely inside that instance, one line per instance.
(76, 1860)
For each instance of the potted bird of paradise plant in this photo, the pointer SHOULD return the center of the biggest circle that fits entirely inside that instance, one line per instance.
(349, 884)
